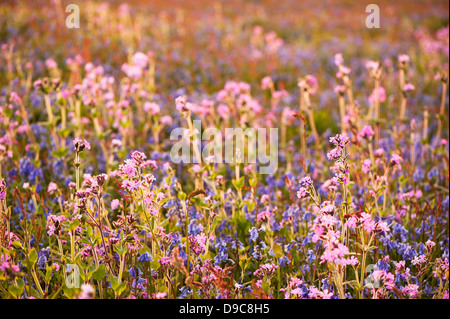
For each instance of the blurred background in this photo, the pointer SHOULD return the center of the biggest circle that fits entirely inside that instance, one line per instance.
(199, 45)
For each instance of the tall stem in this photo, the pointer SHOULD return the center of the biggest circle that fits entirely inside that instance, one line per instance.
(441, 113)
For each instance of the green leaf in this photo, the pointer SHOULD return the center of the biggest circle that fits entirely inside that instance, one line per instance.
(60, 153)
(99, 273)
(82, 265)
(74, 224)
(65, 132)
(182, 196)
(155, 263)
(61, 101)
(120, 288)
(20, 283)
(266, 287)
(114, 282)
(250, 206)
(68, 292)
(17, 244)
(164, 222)
(278, 250)
(32, 256)
(238, 183)
(14, 291)
(48, 274)
(83, 276)
(89, 231)
(120, 249)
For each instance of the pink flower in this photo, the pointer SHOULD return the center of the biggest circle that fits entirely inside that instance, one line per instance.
(140, 59)
(343, 71)
(430, 244)
(302, 193)
(167, 120)
(15, 98)
(52, 187)
(266, 83)
(306, 181)
(128, 168)
(51, 64)
(366, 132)
(87, 292)
(340, 140)
(80, 144)
(114, 204)
(408, 87)
(2, 189)
(326, 294)
(181, 105)
(278, 95)
(164, 261)
(334, 154)
(248, 169)
(312, 82)
(382, 227)
(339, 89)
(397, 160)
(403, 58)
(223, 110)
(138, 157)
(263, 216)
(379, 152)
(420, 259)
(328, 209)
(366, 166)
(132, 71)
(352, 222)
(412, 290)
(372, 65)
(152, 107)
(160, 295)
(338, 59)
(131, 185)
(381, 95)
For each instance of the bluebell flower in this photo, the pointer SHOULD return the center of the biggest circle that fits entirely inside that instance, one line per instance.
(254, 233)
(310, 256)
(42, 262)
(419, 175)
(382, 265)
(305, 269)
(193, 228)
(283, 261)
(184, 292)
(145, 257)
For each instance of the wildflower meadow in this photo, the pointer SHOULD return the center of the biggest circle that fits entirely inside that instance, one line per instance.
(224, 150)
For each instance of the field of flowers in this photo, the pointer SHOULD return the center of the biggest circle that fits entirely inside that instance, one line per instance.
(92, 204)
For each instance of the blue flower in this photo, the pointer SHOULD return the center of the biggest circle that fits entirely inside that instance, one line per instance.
(132, 272)
(310, 256)
(193, 228)
(145, 257)
(283, 261)
(254, 233)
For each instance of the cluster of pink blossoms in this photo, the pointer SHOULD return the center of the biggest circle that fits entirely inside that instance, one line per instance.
(365, 221)
(54, 224)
